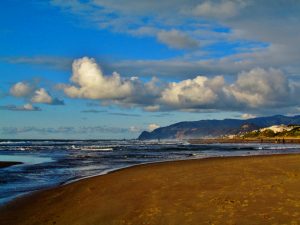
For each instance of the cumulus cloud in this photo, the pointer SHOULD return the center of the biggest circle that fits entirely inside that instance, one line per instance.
(257, 88)
(41, 96)
(254, 89)
(176, 39)
(33, 94)
(89, 82)
(30, 107)
(26, 107)
(152, 127)
(200, 91)
(260, 87)
(21, 89)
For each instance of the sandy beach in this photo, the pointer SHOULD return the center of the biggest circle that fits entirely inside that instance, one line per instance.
(236, 190)
(7, 164)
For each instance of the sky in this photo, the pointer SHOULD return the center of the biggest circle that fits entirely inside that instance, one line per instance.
(99, 69)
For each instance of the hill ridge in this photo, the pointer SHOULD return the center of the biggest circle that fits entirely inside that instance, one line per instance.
(215, 127)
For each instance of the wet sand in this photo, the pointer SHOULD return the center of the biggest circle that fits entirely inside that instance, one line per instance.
(7, 164)
(236, 190)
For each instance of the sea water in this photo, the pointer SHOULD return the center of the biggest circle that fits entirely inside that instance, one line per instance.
(48, 163)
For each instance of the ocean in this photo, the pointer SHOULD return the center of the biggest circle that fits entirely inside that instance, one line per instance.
(49, 163)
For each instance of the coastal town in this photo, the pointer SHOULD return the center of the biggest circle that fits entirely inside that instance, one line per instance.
(277, 134)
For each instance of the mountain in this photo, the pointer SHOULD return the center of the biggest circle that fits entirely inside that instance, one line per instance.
(216, 128)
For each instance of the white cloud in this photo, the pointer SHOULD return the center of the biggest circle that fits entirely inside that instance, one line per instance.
(152, 127)
(254, 89)
(152, 108)
(41, 96)
(29, 107)
(21, 89)
(164, 20)
(30, 92)
(176, 39)
(89, 82)
(260, 87)
(197, 92)
(222, 9)
(247, 116)
(262, 36)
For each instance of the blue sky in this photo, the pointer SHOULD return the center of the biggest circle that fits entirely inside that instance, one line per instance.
(111, 69)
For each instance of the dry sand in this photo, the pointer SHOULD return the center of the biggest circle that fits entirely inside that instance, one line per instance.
(238, 190)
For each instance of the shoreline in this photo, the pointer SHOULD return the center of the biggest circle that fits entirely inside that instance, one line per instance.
(22, 195)
(4, 164)
(85, 202)
(106, 172)
(163, 161)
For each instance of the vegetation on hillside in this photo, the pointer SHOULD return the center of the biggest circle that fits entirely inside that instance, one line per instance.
(295, 132)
